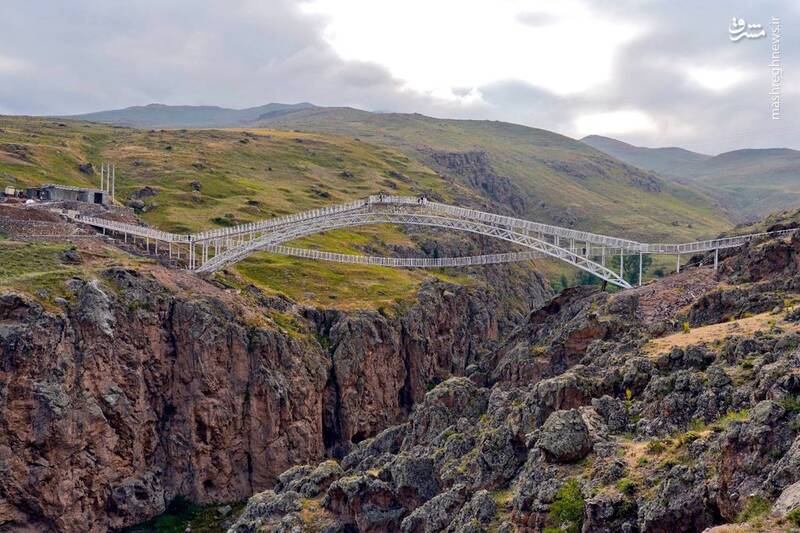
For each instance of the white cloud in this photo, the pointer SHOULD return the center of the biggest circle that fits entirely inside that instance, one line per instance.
(11, 65)
(717, 79)
(434, 47)
(615, 123)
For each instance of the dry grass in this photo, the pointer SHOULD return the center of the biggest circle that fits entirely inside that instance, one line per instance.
(717, 332)
(314, 516)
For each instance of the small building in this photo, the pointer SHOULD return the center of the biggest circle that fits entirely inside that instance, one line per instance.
(10, 191)
(66, 193)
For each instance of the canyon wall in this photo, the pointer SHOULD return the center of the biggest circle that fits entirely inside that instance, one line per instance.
(129, 393)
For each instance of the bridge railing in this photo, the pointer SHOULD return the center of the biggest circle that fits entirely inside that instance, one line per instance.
(278, 221)
(132, 229)
(712, 244)
(408, 262)
(510, 222)
(536, 227)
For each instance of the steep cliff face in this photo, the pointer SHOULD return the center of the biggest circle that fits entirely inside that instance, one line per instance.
(382, 366)
(129, 398)
(599, 414)
(133, 393)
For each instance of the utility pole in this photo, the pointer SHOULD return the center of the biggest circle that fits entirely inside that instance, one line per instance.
(102, 174)
(113, 182)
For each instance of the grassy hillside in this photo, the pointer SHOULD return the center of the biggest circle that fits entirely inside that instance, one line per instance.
(558, 179)
(749, 183)
(528, 171)
(241, 177)
(189, 179)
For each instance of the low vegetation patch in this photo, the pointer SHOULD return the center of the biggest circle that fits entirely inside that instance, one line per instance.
(566, 511)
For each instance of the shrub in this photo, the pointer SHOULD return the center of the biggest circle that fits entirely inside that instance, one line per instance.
(627, 486)
(794, 517)
(791, 403)
(655, 446)
(566, 511)
(686, 327)
(687, 438)
(755, 508)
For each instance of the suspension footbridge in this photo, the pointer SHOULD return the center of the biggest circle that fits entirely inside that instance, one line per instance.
(600, 255)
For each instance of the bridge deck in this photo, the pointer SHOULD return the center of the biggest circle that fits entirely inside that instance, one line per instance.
(585, 250)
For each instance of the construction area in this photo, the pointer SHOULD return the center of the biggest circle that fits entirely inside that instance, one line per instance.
(53, 192)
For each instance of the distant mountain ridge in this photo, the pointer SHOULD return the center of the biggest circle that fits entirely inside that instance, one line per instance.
(661, 160)
(186, 116)
(750, 182)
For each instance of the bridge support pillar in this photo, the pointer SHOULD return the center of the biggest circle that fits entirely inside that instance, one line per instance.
(603, 256)
(621, 263)
(678, 264)
(641, 258)
(716, 259)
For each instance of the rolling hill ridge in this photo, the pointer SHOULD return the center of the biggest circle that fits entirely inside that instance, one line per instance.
(750, 183)
(526, 171)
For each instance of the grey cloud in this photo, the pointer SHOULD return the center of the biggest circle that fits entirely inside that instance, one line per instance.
(87, 55)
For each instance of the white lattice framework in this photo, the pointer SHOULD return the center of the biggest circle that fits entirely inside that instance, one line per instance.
(212, 250)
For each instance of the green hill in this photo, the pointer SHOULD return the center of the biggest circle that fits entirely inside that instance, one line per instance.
(667, 161)
(534, 173)
(188, 180)
(750, 183)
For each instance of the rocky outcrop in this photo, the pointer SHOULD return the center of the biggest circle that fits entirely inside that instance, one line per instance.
(383, 366)
(574, 422)
(132, 394)
(475, 169)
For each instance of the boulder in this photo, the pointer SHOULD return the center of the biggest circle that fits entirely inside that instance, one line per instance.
(365, 501)
(414, 479)
(788, 501)
(475, 516)
(309, 481)
(144, 192)
(437, 513)
(681, 504)
(613, 412)
(86, 168)
(263, 508)
(564, 437)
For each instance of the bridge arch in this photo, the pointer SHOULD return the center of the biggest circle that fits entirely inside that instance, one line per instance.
(371, 217)
(223, 246)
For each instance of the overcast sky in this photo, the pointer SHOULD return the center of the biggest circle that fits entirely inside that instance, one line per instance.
(647, 72)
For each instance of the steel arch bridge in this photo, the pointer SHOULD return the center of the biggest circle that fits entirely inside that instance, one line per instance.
(210, 251)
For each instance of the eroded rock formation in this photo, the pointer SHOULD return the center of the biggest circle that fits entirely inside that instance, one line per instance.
(131, 393)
